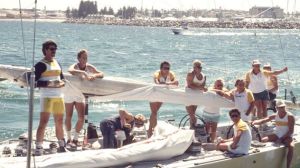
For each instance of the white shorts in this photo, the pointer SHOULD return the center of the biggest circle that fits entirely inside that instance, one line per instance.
(238, 150)
(72, 94)
(72, 99)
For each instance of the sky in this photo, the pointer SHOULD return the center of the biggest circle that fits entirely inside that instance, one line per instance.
(290, 5)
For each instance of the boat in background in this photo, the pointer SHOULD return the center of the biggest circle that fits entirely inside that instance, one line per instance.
(181, 29)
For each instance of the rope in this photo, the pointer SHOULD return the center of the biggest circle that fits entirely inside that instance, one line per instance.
(281, 47)
(23, 42)
(34, 33)
(22, 28)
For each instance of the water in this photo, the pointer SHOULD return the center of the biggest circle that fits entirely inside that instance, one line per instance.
(136, 52)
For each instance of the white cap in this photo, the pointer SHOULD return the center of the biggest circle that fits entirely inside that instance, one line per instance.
(256, 62)
(267, 65)
(280, 103)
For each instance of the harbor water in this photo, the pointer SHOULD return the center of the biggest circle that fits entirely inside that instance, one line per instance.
(136, 53)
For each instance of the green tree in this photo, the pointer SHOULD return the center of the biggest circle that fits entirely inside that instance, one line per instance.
(68, 12)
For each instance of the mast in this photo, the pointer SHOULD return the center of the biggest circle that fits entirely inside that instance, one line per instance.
(31, 97)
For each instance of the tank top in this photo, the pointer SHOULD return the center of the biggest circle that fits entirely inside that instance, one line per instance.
(52, 72)
(241, 102)
(197, 81)
(281, 125)
(170, 77)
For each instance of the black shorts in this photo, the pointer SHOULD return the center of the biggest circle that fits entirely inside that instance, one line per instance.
(272, 96)
(264, 95)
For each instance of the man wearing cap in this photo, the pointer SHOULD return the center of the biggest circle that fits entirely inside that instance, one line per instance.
(256, 80)
(285, 123)
(272, 86)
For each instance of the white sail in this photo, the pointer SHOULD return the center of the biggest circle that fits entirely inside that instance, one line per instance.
(112, 88)
(157, 93)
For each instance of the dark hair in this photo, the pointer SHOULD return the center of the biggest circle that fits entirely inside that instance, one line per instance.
(238, 81)
(46, 45)
(234, 111)
(81, 52)
(164, 63)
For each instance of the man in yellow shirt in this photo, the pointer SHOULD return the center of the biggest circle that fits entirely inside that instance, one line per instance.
(241, 141)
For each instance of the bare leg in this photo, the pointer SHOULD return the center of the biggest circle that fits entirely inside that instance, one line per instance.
(154, 106)
(58, 119)
(288, 142)
(192, 114)
(258, 104)
(69, 114)
(44, 118)
(208, 128)
(270, 138)
(222, 147)
(264, 108)
(213, 133)
(80, 112)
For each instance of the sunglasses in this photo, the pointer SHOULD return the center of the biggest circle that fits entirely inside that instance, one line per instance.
(166, 68)
(52, 48)
(234, 116)
(139, 123)
(199, 67)
(219, 85)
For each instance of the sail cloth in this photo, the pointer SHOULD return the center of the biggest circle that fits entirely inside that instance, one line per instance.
(167, 141)
(158, 93)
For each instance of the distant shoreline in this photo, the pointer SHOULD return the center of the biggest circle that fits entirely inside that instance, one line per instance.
(277, 24)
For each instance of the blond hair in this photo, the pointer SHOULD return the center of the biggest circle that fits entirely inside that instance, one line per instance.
(197, 62)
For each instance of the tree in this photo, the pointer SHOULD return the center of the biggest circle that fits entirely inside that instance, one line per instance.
(68, 12)
(110, 11)
(86, 8)
(74, 13)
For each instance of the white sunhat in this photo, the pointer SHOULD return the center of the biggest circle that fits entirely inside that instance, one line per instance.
(256, 62)
(267, 65)
(280, 103)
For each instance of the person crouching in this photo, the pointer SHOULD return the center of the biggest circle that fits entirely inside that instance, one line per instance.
(125, 122)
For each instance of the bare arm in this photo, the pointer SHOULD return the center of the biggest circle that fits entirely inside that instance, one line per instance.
(236, 139)
(174, 82)
(275, 83)
(96, 72)
(77, 72)
(279, 71)
(125, 118)
(250, 108)
(264, 120)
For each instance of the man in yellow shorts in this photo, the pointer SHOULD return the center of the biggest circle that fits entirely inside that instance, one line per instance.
(49, 78)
